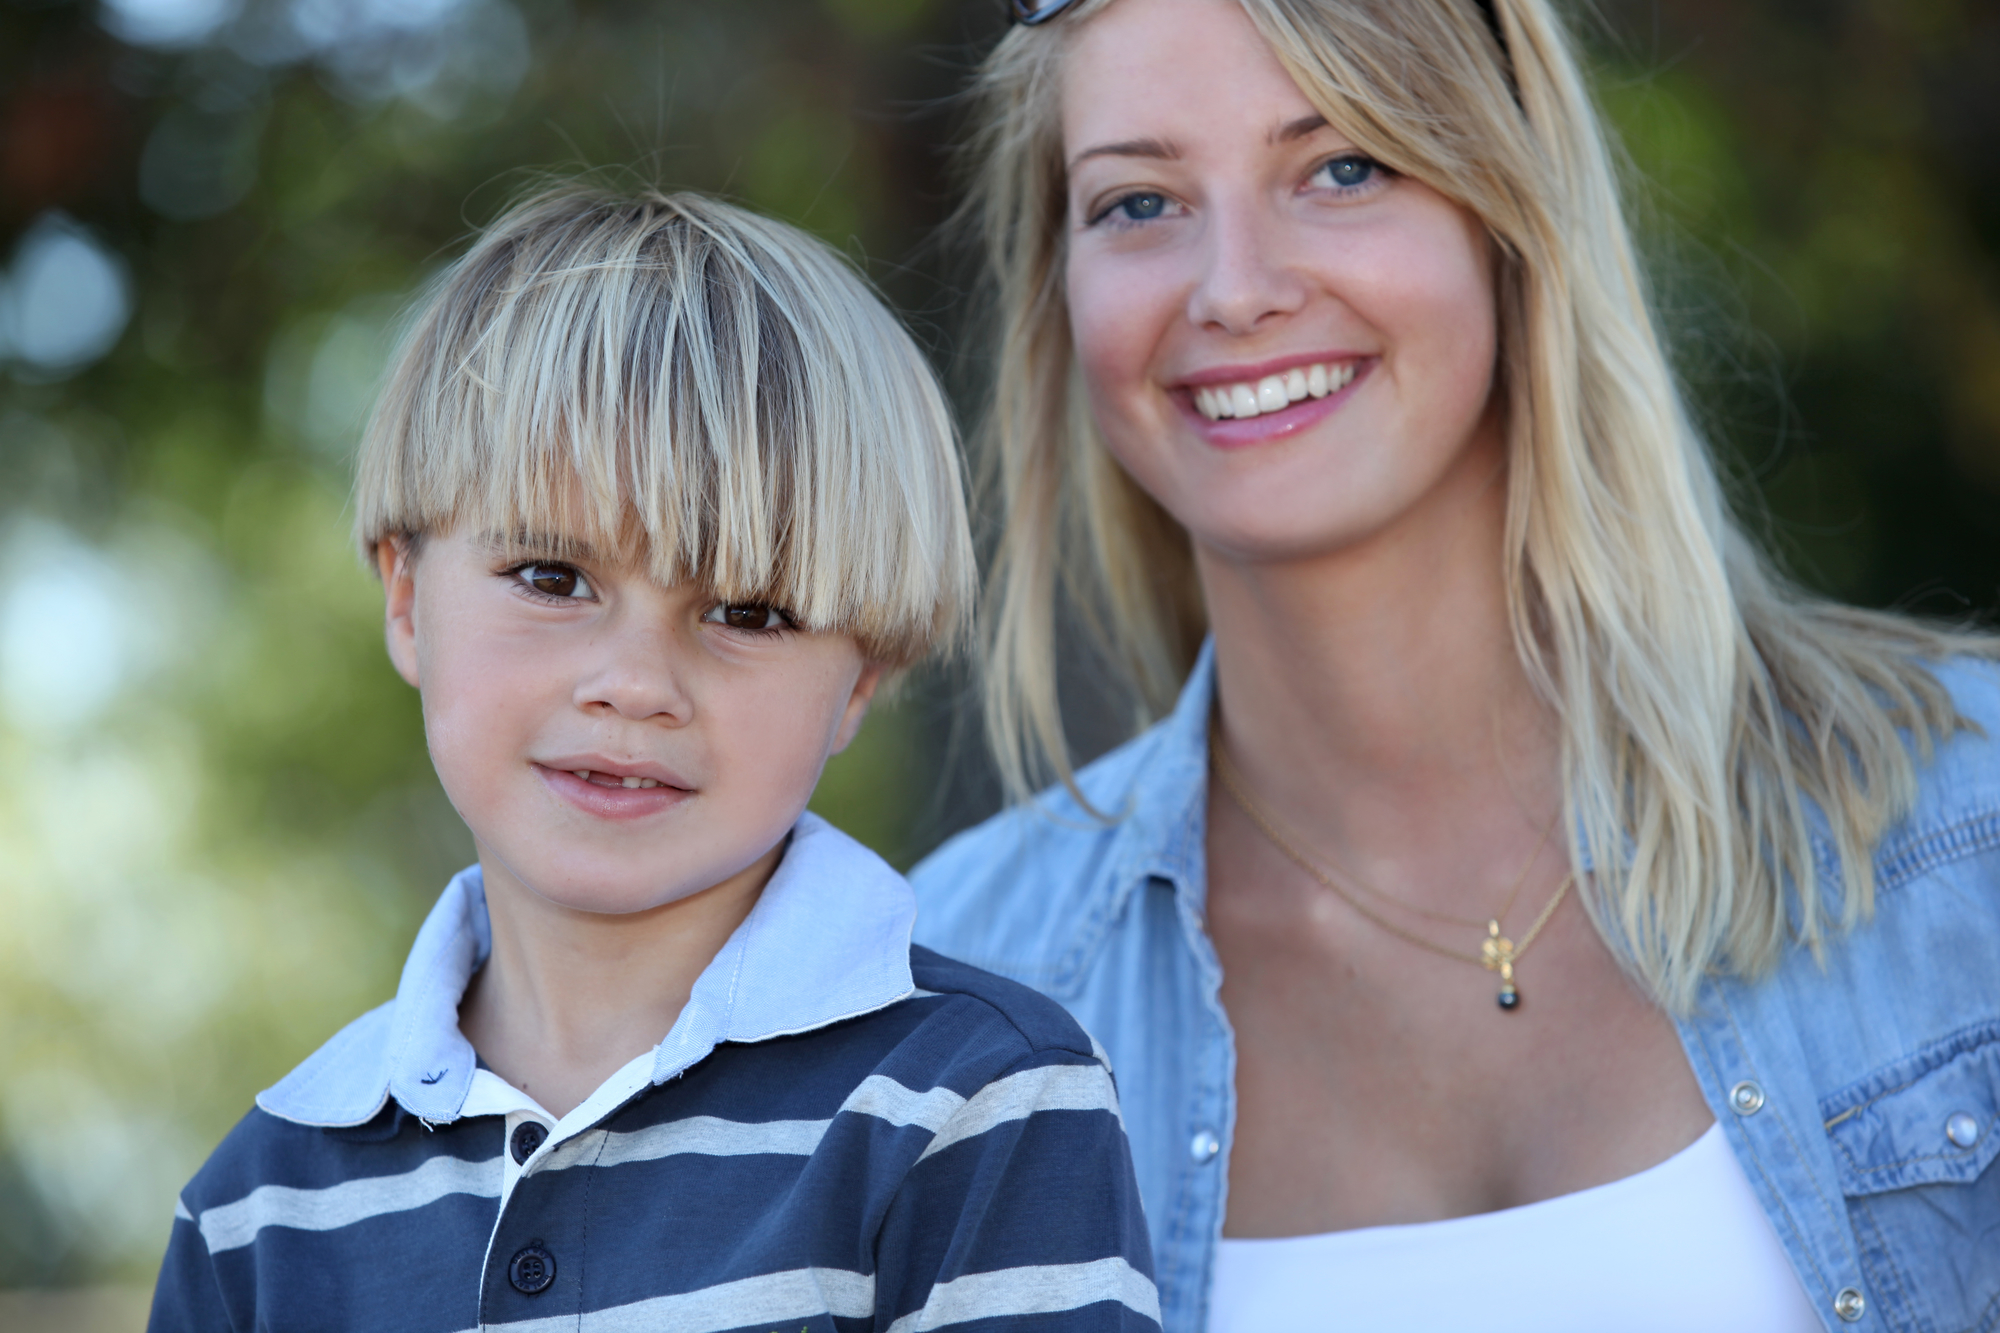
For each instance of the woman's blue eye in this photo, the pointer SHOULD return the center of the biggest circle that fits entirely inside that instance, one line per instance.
(1347, 172)
(1141, 207)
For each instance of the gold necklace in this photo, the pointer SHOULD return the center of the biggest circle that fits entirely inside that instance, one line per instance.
(1496, 953)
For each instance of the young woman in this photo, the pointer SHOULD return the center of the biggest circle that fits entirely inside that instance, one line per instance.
(1585, 929)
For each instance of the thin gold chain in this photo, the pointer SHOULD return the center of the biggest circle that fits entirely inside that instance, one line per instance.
(1233, 783)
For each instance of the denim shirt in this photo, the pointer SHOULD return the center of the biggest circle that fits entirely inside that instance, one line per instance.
(1861, 1093)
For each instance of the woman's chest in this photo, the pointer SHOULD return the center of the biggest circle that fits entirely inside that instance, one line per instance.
(1378, 1081)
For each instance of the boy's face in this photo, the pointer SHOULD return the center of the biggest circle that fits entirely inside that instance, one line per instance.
(702, 727)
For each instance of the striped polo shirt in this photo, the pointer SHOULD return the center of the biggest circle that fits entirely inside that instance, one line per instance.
(840, 1132)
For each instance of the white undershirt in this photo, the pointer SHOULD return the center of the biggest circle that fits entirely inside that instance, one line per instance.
(1682, 1245)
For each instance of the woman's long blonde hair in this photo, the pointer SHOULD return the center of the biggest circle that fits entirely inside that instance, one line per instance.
(1705, 702)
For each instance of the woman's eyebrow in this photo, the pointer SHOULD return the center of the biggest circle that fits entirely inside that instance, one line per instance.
(1166, 150)
(1297, 129)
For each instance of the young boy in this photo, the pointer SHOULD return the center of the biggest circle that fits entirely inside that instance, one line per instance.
(658, 492)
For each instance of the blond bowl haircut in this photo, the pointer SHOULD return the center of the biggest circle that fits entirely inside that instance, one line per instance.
(1702, 699)
(669, 374)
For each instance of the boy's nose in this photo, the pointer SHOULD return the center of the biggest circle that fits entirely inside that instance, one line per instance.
(638, 676)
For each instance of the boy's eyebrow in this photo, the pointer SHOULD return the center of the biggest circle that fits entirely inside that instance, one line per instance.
(538, 542)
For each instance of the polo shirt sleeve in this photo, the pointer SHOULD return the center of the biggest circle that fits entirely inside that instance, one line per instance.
(1023, 1208)
(188, 1297)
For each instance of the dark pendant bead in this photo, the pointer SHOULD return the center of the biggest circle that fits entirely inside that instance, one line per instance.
(1510, 999)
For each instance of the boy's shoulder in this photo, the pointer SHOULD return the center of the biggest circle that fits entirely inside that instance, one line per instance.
(1006, 1012)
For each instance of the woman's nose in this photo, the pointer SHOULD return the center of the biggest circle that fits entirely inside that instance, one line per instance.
(1245, 278)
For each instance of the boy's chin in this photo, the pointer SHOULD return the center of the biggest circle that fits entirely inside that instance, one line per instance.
(573, 884)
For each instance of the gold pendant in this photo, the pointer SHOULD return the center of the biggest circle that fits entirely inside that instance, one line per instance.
(1497, 952)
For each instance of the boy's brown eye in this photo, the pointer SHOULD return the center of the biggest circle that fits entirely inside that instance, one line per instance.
(748, 615)
(554, 580)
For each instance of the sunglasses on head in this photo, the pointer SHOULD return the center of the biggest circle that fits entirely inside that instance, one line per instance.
(1032, 12)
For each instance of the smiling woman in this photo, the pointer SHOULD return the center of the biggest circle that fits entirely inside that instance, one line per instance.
(1329, 387)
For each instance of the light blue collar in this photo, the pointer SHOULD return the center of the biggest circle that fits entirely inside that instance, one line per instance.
(828, 939)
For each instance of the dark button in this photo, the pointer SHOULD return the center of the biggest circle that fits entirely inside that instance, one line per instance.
(528, 1136)
(532, 1270)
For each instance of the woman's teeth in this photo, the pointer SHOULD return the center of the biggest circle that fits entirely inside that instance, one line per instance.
(613, 780)
(1273, 392)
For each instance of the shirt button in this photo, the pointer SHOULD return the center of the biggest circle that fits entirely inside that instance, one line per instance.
(532, 1269)
(1746, 1098)
(1204, 1146)
(1962, 1130)
(1850, 1305)
(528, 1136)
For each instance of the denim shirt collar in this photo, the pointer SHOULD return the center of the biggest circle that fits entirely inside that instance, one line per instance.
(1165, 830)
(828, 939)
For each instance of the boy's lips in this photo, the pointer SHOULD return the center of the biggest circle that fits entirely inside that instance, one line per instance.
(613, 790)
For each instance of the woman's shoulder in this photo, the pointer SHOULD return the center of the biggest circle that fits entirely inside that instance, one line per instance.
(1957, 805)
(1010, 894)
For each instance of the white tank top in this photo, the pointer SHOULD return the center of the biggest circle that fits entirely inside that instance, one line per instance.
(1682, 1245)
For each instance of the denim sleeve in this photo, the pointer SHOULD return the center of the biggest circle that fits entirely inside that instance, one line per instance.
(1023, 1206)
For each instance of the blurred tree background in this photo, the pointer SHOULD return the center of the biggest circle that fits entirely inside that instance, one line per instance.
(218, 828)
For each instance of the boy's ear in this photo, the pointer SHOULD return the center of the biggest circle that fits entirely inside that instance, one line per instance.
(399, 589)
(857, 704)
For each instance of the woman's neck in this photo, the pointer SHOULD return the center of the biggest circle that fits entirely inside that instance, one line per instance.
(568, 997)
(1374, 699)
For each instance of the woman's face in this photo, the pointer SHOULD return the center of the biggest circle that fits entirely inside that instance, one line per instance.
(1287, 345)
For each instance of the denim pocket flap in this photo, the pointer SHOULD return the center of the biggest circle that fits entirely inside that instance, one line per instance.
(1931, 1119)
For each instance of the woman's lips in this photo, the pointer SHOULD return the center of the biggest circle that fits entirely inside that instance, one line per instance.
(609, 797)
(1237, 432)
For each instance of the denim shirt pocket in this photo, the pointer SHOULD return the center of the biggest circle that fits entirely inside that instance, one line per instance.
(1914, 1142)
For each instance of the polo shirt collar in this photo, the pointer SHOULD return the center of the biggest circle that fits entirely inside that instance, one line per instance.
(828, 939)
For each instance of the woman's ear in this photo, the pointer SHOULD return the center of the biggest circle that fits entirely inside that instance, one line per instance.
(394, 561)
(865, 686)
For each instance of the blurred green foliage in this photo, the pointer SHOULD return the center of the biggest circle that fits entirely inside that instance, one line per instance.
(218, 828)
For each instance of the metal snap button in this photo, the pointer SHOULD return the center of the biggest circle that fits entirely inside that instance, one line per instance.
(1962, 1129)
(528, 1136)
(1746, 1098)
(532, 1269)
(1204, 1146)
(1850, 1304)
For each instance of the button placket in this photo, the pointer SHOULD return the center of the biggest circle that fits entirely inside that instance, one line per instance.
(532, 1269)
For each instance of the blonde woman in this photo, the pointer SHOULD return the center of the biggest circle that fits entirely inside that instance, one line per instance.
(1534, 913)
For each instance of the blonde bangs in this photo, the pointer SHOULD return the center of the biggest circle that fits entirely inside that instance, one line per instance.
(675, 376)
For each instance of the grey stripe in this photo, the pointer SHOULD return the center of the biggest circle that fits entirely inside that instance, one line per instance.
(886, 1099)
(712, 1137)
(236, 1224)
(1018, 1096)
(181, 1213)
(773, 1298)
(877, 1096)
(1047, 1289)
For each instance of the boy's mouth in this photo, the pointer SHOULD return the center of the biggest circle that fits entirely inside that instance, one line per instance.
(613, 795)
(612, 789)
(613, 780)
